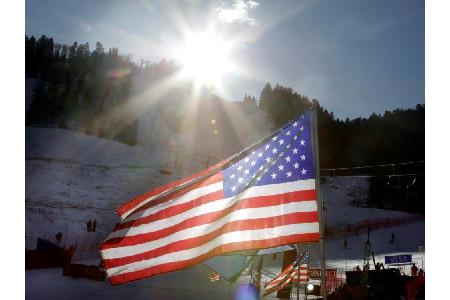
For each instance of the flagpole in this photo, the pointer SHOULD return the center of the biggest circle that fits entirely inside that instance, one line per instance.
(307, 275)
(315, 139)
(298, 272)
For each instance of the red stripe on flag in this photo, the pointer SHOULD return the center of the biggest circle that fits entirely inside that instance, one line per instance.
(255, 202)
(154, 202)
(173, 210)
(241, 225)
(247, 245)
(131, 205)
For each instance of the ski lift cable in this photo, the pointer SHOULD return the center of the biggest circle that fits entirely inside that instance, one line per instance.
(385, 175)
(392, 165)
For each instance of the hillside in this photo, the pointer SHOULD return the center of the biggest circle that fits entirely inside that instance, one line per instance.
(72, 177)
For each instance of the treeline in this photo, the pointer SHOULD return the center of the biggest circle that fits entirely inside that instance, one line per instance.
(394, 137)
(77, 88)
(86, 90)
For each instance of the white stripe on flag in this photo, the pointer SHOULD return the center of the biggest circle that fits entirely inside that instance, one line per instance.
(189, 196)
(214, 206)
(231, 237)
(242, 214)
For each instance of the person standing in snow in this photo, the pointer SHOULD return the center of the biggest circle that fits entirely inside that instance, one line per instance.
(89, 225)
(94, 225)
(414, 270)
(58, 237)
(392, 238)
(421, 273)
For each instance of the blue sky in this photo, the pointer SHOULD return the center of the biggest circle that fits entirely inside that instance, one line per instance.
(355, 56)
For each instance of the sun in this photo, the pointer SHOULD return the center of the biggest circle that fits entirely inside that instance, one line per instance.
(205, 58)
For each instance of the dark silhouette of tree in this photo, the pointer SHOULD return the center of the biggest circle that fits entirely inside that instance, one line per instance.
(395, 136)
(249, 104)
(76, 86)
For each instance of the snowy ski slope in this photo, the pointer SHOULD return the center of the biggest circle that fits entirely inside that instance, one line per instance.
(72, 177)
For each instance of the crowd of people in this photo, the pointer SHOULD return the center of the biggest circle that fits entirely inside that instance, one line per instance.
(415, 272)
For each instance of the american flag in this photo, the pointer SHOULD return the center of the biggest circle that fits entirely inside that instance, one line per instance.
(260, 198)
(289, 274)
(214, 276)
(302, 270)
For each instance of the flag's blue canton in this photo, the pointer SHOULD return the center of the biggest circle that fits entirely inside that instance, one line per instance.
(304, 258)
(284, 158)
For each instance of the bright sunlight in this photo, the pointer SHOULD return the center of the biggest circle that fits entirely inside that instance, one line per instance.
(205, 58)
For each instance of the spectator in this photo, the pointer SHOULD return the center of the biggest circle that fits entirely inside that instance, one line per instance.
(89, 225)
(392, 238)
(421, 273)
(357, 269)
(345, 244)
(367, 267)
(414, 270)
(58, 237)
(94, 225)
(377, 266)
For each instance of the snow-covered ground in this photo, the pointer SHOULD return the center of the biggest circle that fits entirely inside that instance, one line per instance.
(72, 177)
(192, 283)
